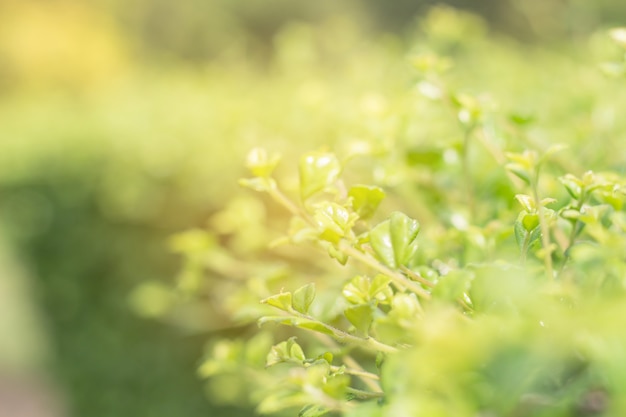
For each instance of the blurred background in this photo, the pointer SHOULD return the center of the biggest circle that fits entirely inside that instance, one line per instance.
(124, 122)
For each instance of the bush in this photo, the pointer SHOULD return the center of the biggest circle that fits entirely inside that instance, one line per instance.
(453, 260)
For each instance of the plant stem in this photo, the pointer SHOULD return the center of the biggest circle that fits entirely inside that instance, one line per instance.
(469, 185)
(525, 247)
(283, 200)
(417, 277)
(545, 231)
(369, 379)
(364, 395)
(356, 372)
(345, 337)
(398, 279)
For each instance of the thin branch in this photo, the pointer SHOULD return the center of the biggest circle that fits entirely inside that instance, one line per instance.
(398, 279)
(352, 364)
(417, 277)
(364, 395)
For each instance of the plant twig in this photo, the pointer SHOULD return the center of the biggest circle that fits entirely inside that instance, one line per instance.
(398, 279)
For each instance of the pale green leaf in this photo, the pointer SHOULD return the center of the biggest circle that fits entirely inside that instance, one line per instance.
(303, 297)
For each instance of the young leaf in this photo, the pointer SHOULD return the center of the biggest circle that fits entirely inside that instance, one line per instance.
(405, 306)
(281, 301)
(287, 351)
(258, 183)
(357, 290)
(379, 288)
(334, 221)
(523, 165)
(366, 199)
(530, 221)
(318, 172)
(394, 240)
(360, 316)
(335, 253)
(527, 202)
(260, 163)
(573, 185)
(303, 297)
(294, 350)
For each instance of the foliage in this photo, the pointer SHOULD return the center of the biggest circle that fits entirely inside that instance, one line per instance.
(111, 141)
(454, 262)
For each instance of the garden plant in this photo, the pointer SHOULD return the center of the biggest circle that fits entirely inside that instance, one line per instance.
(463, 257)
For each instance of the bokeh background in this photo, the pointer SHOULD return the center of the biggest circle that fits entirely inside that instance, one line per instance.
(124, 122)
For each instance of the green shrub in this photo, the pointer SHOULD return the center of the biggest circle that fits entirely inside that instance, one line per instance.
(454, 261)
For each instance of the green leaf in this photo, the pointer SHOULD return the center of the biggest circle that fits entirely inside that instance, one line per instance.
(380, 359)
(545, 155)
(404, 306)
(260, 184)
(527, 202)
(313, 410)
(570, 214)
(225, 356)
(318, 172)
(360, 316)
(523, 164)
(453, 285)
(519, 171)
(334, 221)
(260, 163)
(379, 288)
(430, 156)
(282, 400)
(326, 356)
(394, 240)
(366, 199)
(521, 119)
(300, 322)
(281, 301)
(573, 185)
(357, 290)
(287, 351)
(337, 254)
(294, 350)
(530, 221)
(314, 326)
(303, 297)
